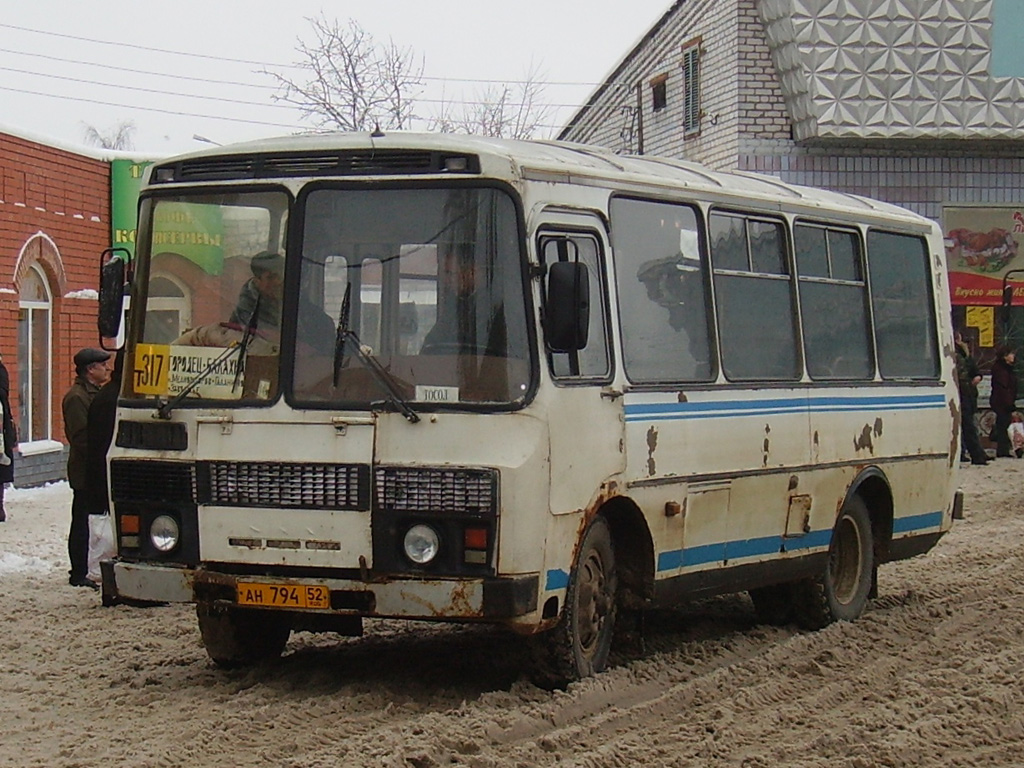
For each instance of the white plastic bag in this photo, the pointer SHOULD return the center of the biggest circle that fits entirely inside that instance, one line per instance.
(101, 543)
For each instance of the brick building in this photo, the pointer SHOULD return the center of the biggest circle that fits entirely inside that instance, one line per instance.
(54, 223)
(916, 102)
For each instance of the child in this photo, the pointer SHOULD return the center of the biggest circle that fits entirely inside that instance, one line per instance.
(1016, 433)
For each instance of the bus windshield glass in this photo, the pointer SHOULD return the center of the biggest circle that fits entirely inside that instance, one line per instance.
(212, 286)
(428, 283)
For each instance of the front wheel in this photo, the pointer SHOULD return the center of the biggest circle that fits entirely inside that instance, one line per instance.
(841, 592)
(238, 637)
(579, 646)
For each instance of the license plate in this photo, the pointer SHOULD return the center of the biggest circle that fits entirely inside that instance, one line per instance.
(283, 595)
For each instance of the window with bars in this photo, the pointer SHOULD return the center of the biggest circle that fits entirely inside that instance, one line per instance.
(691, 86)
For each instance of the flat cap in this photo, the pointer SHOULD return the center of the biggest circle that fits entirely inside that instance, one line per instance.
(267, 261)
(88, 356)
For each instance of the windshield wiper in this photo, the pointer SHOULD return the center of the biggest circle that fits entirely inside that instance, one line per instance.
(345, 337)
(165, 408)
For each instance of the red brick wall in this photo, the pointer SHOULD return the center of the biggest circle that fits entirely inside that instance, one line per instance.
(65, 198)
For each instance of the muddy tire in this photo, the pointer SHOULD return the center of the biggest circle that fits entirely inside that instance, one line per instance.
(579, 645)
(236, 637)
(841, 593)
(773, 605)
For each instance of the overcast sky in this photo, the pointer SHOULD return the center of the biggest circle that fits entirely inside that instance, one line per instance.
(193, 67)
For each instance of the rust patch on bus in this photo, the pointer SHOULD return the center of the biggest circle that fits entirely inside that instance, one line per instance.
(766, 446)
(954, 438)
(878, 427)
(609, 490)
(863, 441)
(681, 398)
(652, 445)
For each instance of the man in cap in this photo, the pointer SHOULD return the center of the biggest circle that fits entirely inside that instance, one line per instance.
(264, 287)
(92, 371)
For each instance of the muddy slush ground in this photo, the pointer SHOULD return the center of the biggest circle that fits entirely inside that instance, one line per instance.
(930, 676)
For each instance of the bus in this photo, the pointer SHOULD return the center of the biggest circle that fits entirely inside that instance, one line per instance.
(532, 384)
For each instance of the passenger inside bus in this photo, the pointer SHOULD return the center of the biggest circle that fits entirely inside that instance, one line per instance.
(470, 321)
(262, 289)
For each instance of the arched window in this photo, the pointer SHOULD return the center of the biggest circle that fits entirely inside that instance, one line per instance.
(169, 311)
(34, 356)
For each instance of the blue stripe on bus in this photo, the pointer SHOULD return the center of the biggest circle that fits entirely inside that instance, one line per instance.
(743, 548)
(917, 522)
(727, 408)
(772, 545)
(557, 579)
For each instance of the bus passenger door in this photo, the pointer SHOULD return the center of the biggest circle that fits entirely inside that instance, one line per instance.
(584, 412)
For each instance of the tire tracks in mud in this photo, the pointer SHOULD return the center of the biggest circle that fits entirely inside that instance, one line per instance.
(929, 676)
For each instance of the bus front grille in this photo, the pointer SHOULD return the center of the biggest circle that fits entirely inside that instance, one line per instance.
(284, 485)
(159, 481)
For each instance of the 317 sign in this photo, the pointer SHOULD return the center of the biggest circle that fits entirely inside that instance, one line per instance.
(149, 374)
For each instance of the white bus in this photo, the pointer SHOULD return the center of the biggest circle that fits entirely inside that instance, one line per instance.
(526, 383)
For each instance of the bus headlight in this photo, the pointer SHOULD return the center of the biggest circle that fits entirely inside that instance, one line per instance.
(164, 533)
(421, 544)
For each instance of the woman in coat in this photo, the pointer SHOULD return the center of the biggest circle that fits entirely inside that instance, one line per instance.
(10, 436)
(1004, 398)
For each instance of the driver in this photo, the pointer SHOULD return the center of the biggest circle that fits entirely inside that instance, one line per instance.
(263, 287)
(456, 326)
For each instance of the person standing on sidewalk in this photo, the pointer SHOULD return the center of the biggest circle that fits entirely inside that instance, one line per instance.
(10, 436)
(1003, 398)
(968, 377)
(92, 371)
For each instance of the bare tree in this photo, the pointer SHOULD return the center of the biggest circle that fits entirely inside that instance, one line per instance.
(514, 110)
(118, 137)
(352, 83)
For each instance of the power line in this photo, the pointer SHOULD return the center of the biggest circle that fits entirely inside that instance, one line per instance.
(122, 44)
(226, 100)
(140, 89)
(101, 102)
(129, 70)
(263, 64)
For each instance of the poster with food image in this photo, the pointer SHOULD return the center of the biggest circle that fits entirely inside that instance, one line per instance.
(982, 245)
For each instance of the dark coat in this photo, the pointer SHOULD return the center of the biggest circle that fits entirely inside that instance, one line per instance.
(10, 432)
(75, 407)
(102, 415)
(967, 370)
(1004, 387)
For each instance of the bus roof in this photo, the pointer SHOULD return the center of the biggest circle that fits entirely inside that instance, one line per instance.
(555, 161)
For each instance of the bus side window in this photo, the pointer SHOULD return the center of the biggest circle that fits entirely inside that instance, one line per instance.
(660, 273)
(904, 311)
(593, 361)
(754, 297)
(833, 300)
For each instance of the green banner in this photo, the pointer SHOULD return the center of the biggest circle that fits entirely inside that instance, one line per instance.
(192, 230)
(125, 182)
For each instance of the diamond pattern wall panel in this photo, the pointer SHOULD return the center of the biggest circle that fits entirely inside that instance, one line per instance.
(887, 69)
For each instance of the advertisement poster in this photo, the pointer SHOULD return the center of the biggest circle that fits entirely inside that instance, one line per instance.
(125, 182)
(982, 245)
(191, 230)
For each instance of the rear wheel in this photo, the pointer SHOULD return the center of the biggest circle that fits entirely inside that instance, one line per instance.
(237, 637)
(579, 646)
(841, 593)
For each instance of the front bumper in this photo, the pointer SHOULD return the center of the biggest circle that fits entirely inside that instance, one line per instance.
(411, 598)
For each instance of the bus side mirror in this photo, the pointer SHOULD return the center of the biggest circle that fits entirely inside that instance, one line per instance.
(113, 275)
(567, 306)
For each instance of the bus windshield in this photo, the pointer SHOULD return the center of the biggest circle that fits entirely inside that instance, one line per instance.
(210, 325)
(428, 283)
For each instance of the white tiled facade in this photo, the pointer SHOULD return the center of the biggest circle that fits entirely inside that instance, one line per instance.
(888, 98)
